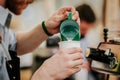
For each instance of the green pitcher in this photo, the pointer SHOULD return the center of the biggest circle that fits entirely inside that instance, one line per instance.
(69, 29)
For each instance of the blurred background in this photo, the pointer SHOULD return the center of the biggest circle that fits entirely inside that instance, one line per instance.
(107, 14)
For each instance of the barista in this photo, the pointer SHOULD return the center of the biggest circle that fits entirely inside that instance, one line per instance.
(87, 21)
(58, 67)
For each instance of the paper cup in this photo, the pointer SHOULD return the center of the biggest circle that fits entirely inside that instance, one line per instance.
(69, 44)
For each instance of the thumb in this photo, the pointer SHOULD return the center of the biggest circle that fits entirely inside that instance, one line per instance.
(62, 16)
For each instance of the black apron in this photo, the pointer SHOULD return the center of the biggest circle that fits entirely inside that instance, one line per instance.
(13, 66)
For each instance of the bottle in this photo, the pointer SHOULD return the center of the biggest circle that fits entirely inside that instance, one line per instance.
(69, 29)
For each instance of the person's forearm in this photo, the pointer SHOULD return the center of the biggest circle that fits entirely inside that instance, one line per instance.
(28, 41)
(41, 76)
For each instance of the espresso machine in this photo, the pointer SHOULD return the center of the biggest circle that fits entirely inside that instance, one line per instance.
(105, 58)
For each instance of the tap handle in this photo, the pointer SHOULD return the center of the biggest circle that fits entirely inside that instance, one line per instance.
(105, 34)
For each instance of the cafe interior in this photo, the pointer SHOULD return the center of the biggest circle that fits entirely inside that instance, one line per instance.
(103, 36)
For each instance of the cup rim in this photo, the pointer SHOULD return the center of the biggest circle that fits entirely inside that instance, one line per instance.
(69, 41)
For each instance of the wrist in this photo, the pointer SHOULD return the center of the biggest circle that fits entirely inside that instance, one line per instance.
(46, 29)
(41, 74)
(45, 70)
(47, 75)
(42, 35)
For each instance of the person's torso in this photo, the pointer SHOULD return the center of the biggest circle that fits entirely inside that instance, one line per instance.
(5, 46)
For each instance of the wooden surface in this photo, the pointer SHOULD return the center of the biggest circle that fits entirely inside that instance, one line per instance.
(25, 74)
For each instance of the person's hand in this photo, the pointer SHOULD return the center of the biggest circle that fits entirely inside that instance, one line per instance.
(54, 21)
(61, 65)
(86, 65)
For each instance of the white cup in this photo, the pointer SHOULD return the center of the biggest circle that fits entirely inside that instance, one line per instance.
(69, 44)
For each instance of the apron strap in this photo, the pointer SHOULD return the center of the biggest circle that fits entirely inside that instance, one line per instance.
(7, 23)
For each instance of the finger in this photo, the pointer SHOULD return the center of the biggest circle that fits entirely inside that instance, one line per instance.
(64, 12)
(75, 70)
(67, 9)
(73, 10)
(61, 17)
(76, 56)
(75, 16)
(77, 62)
(78, 66)
(73, 13)
(78, 21)
(72, 50)
(61, 14)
